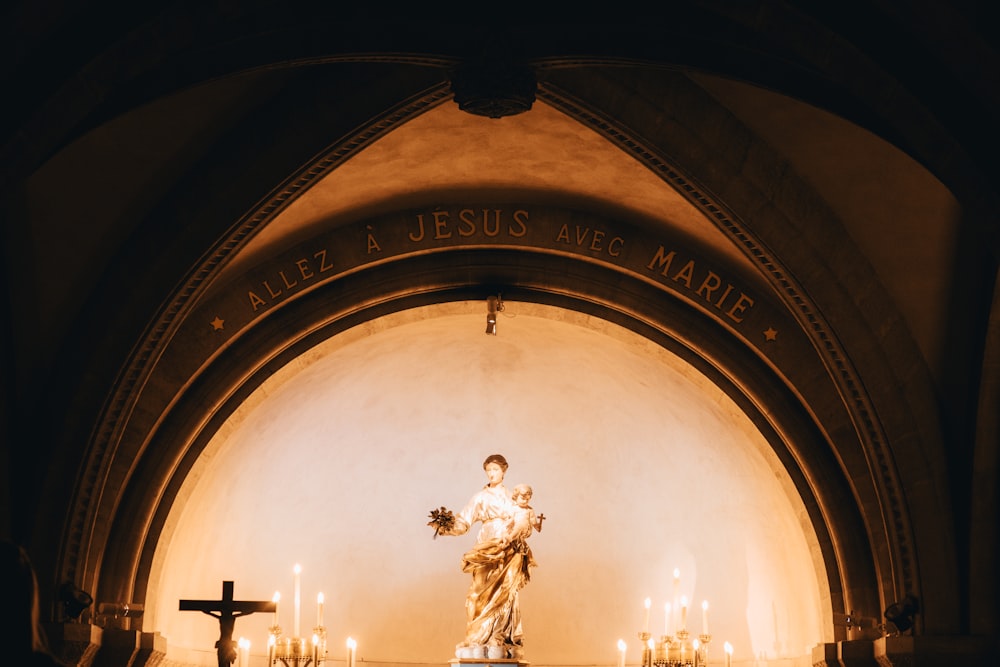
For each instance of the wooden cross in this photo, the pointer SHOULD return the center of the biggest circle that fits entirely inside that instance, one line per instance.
(227, 611)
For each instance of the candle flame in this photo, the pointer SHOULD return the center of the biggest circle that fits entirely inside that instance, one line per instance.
(704, 605)
(729, 648)
(648, 603)
(677, 573)
(621, 644)
(244, 643)
(319, 598)
(351, 643)
(276, 598)
(297, 569)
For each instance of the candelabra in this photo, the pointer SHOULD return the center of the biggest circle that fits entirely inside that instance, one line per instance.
(677, 650)
(296, 651)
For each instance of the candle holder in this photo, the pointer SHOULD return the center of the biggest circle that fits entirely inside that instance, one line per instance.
(703, 640)
(678, 650)
(647, 652)
(296, 651)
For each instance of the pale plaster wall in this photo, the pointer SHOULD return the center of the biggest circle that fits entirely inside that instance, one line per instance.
(640, 464)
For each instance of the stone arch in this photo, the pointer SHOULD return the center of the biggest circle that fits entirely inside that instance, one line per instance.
(865, 580)
(564, 282)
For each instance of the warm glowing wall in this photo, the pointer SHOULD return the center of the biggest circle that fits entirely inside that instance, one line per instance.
(638, 462)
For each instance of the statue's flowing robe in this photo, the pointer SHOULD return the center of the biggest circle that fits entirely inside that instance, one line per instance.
(499, 570)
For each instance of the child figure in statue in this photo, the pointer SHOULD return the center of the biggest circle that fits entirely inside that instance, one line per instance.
(524, 519)
(498, 563)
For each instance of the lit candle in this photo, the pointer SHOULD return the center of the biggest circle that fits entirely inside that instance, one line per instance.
(695, 645)
(621, 653)
(666, 619)
(645, 625)
(677, 590)
(315, 647)
(729, 654)
(275, 599)
(244, 645)
(352, 647)
(298, 599)
(704, 617)
(650, 648)
(270, 649)
(319, 610)
(684, 612)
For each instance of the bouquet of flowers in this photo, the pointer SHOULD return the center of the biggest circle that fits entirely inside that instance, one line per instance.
(442, 520)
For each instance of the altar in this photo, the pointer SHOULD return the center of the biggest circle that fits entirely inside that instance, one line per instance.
(486, 662)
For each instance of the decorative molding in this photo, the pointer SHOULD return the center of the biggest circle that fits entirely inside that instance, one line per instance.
(494, 88)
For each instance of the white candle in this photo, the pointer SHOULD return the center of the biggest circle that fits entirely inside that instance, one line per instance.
(352, 647)
(684, 612)
(244, 646)
(319, 610)
(298, 599)
(666, 619)
(645, 625)
(704, 617)
(270, 649)
(275, 599)
(621, 653)
(677, 590)
(729, 654)
(695, 645)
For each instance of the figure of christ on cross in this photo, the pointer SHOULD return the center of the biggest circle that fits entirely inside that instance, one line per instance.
(227, 611)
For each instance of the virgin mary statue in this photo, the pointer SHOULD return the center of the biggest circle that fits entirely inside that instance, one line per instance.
(499, 563)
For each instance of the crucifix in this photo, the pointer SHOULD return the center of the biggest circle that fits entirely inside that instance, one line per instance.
(227, 611)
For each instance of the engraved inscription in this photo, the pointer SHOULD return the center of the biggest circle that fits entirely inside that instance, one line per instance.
(595, 240)
(440, 225)
(673, 269)
(303, 270)
(702, 283)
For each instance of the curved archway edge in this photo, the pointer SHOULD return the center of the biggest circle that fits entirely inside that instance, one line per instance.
(472, 274)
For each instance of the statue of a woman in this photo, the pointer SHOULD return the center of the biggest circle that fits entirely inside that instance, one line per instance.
(498, 563)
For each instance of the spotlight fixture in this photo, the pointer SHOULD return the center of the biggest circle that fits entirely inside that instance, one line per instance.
(901, 613)
(494, 304)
